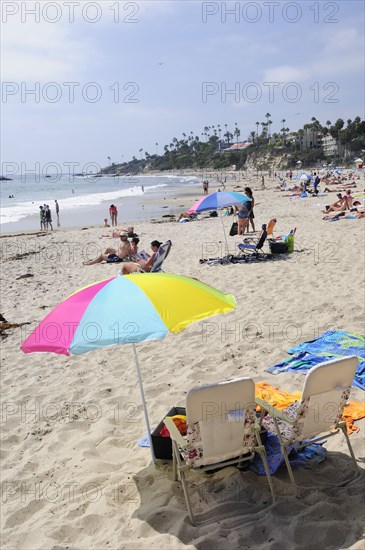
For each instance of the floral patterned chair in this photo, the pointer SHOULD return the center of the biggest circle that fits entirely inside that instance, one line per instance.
(326, 390)
(222, 430)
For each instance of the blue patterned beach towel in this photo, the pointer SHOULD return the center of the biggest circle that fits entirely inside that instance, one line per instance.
(328, 346)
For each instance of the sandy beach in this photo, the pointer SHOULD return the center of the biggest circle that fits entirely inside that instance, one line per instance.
(73, 476)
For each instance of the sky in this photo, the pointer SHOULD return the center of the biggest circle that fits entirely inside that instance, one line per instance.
(83, 81)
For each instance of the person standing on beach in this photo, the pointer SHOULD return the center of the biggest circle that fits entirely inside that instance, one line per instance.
(113, 212)
(42, 218)
(48, 218)
(249, 194)
(57, 213)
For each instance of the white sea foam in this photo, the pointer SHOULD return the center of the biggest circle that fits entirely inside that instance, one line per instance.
(18, 211)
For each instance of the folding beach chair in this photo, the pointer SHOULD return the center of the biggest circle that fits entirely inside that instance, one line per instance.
(222, 430)
(326, 390)
(254, 248)
(161, 256)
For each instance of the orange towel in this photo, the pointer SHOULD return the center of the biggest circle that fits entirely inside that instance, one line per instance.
(282, 399)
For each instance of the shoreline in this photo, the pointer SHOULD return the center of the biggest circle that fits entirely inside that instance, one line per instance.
(131, 210)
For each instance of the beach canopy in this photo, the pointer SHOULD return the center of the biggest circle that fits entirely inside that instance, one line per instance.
(219, 199)
(305, 177)
(126, 309)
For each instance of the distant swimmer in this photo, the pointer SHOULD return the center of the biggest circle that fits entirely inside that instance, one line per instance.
(73, 191)
(142, 187)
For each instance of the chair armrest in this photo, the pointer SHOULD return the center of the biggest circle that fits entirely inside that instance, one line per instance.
(174, 432)
(273, 412)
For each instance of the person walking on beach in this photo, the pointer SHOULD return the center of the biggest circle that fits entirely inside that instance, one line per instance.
(48, 218)
(57, 212)
(113, 212)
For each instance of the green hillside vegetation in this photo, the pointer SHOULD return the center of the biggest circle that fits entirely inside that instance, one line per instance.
(282, 149)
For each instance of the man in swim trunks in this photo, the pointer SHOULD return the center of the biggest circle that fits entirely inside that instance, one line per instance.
(110, 255)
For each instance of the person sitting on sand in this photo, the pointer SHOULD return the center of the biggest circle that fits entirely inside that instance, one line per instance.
(111, 255)
(349, 199)
(134, 246)
(106, 223)
(140, 266)
(337, 206)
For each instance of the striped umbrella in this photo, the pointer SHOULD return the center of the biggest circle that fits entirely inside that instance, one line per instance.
(130, 309)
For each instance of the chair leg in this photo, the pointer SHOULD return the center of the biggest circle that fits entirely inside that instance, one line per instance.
(174, 462)
(188, 504)
(342, 425)
(285, 454)
(262, 452)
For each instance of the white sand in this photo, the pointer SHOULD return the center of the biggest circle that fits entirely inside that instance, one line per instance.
(72, 473)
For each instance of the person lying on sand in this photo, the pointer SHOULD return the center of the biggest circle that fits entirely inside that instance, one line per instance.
(140, 265)
(117, 232)
(352, 215)
(111, 255)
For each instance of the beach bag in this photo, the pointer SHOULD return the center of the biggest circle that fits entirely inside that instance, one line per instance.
(278, 247)
(290, 243)
(234, 229)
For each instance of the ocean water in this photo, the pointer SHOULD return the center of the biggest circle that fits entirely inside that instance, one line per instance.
(85, 199)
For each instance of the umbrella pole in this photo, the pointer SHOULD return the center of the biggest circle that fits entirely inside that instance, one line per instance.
(136, 363)
(224, 232)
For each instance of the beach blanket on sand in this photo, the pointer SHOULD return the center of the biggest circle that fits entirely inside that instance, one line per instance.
(308, 457)
(330, 345)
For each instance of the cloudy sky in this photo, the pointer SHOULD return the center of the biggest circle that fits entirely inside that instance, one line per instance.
(86, 80)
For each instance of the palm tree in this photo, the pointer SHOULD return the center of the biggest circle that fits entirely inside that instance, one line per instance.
(237, 133)
(141, 151)
(257, 128)
(252, 136)
(156, 147)
(110, 160)
(267, 116)
(269, 122)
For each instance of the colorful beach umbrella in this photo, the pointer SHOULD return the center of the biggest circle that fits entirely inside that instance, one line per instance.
(219, 199)
(126, 309)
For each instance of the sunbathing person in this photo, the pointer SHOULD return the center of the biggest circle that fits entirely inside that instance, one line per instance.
(185, 216)
(134, 246)
(111, 255)
(353, 215)
(349, 199)
(140, 266)
(338, 206)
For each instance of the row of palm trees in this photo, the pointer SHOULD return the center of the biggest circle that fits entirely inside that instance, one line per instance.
(219, 137)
